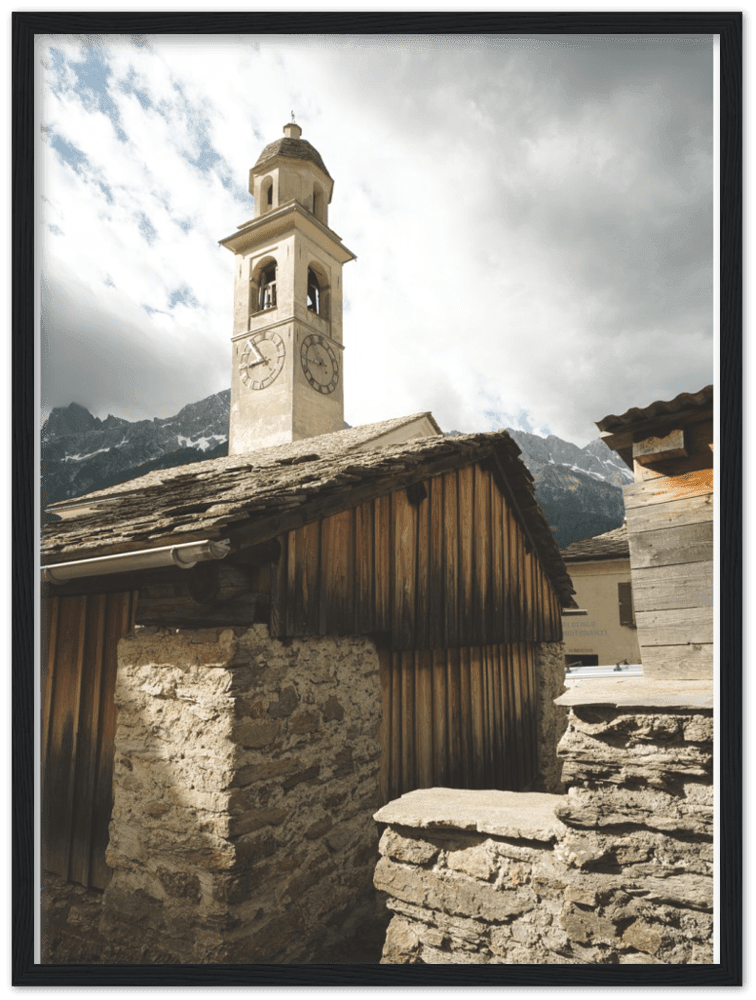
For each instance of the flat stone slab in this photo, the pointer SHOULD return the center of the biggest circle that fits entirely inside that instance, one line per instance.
(523, 815)
(639, 692)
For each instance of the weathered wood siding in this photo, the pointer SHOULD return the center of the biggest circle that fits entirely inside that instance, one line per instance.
(459, 718)
(670, 531)
(442, 565)
(80, 636)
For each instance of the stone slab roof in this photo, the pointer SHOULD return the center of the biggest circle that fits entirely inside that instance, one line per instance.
(611, 545)
(260, 495)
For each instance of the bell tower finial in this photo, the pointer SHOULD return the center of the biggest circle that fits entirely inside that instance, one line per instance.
(291, 129)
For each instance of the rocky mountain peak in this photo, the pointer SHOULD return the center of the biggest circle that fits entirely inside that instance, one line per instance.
(66, 421)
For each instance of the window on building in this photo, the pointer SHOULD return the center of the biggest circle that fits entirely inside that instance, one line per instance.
(313, 292)
(625, 598)
(268, 287)
(582, 660)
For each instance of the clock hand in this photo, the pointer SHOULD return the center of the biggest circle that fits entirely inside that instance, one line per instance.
(259, 357)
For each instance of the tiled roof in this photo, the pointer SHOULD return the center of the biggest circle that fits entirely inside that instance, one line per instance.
(266, 492)
(295, 149)
(657, 410)
(610, 545)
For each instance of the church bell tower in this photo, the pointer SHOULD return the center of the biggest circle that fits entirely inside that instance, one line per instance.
(286, 366)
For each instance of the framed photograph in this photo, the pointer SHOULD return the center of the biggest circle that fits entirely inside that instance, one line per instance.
(376, 483)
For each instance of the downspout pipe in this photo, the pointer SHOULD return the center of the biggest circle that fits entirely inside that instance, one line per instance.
(185, 556)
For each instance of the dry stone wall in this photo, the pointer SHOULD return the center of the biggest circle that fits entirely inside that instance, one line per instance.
(552, 718)
(69, 926)
(246, 774)
(617, 871)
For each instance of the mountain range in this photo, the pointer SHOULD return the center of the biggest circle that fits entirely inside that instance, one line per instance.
(579, 489)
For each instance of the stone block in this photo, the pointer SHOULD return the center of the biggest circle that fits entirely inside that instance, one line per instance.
(476, 861)
(449, 894)
(306, 879)
(409, 849)
(522, 815)
(255, 734)
(182, 885)
(307, 775)
(333, 710)
(287, 702)
(575, 894)
(255, 819)
(316, 830)
(304, 722)
(341, 836)
(437, 956)
(643, 937)
(263, 769)
(402, 943)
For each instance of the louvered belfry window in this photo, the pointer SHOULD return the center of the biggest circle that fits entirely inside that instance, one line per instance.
(625, 597)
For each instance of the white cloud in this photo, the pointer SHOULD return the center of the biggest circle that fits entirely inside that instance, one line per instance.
(530, 220)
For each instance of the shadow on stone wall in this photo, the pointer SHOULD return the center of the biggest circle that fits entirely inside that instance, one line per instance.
(246, 774)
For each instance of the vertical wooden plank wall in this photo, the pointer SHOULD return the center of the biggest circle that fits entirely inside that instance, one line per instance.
(452, 568)
(81, 634)
(461, 718)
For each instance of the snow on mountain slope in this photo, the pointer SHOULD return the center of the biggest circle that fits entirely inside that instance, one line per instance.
(595, 458)
(81, 453)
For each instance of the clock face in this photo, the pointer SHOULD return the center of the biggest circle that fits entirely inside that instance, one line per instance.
(319, 363)
(262, 360)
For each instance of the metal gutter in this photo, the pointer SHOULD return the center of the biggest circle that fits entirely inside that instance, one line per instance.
(185, 556)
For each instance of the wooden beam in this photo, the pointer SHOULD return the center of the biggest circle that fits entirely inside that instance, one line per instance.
(686, 510)
(659, 588)
(683, 661)
(182, 612)
(210, 594)
(660, 449)
(675, 626)
(699, 482)
(688, 543)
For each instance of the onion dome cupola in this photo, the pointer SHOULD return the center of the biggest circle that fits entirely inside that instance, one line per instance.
(291, 169)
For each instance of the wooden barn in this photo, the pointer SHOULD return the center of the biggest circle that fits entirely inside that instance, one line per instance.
(669, 446)
(433, 550)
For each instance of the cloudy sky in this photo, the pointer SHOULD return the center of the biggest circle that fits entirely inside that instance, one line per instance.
(532, 218)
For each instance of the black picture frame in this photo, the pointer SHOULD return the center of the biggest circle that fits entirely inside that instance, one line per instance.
(726, 24)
